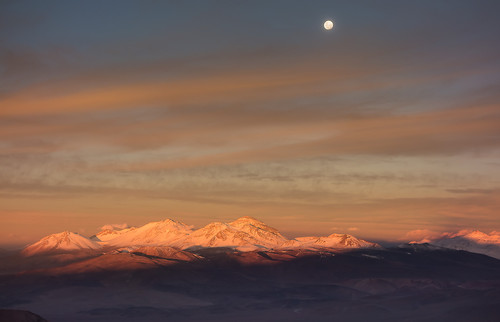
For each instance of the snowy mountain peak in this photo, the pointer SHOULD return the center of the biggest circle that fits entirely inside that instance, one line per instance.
(331, 241)
(65, 241)
(247, 221)
(214, 228)
(160, 233)
(245, 233)
(108, 234)
(213, 235)
(473, 241)
(171, 224)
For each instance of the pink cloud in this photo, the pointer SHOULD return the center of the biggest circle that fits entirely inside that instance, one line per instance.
(421, 236)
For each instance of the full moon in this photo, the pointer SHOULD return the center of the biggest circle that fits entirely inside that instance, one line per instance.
(328, 25)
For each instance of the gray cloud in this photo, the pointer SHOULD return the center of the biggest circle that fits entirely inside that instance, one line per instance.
(472, 191)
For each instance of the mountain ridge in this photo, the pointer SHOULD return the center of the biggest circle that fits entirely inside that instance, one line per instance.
(60, 242)
(243, 234)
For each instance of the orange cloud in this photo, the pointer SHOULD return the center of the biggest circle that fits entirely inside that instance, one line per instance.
(421, 236)
(435, 132)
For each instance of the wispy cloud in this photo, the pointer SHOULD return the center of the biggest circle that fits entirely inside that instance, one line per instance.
(471, 191)
(198, 116)
(115, 226)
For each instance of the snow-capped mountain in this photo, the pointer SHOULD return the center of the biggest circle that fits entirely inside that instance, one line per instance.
(161, 233)
(264, 234)
(65, 241)
(246, 233)
(164, 238)
(332, 241)
(108, 234)
(472, 241)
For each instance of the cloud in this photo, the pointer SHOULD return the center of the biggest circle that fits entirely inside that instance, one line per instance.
(421, 236)
(18, 62)
(143, 114)
(217, 87)
(115, 226)
(471, 191)
(207, 141)
(353, 229)
(427, 236)
(267, 108)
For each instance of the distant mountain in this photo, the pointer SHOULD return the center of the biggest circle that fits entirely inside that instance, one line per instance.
(332, 241)
(472, 241)
(247, 271)
(243, 234)
(264, 234)
(65, 241)
(161, 233)
(108, 234)
(246, 233)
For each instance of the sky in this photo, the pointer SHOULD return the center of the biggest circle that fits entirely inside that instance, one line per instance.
(116, 112)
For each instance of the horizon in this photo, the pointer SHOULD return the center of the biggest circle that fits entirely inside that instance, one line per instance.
(385, 127)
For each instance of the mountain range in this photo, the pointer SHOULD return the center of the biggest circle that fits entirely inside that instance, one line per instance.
(243, 234)
(245, 270)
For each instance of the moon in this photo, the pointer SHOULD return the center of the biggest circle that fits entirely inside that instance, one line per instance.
(328, 25)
